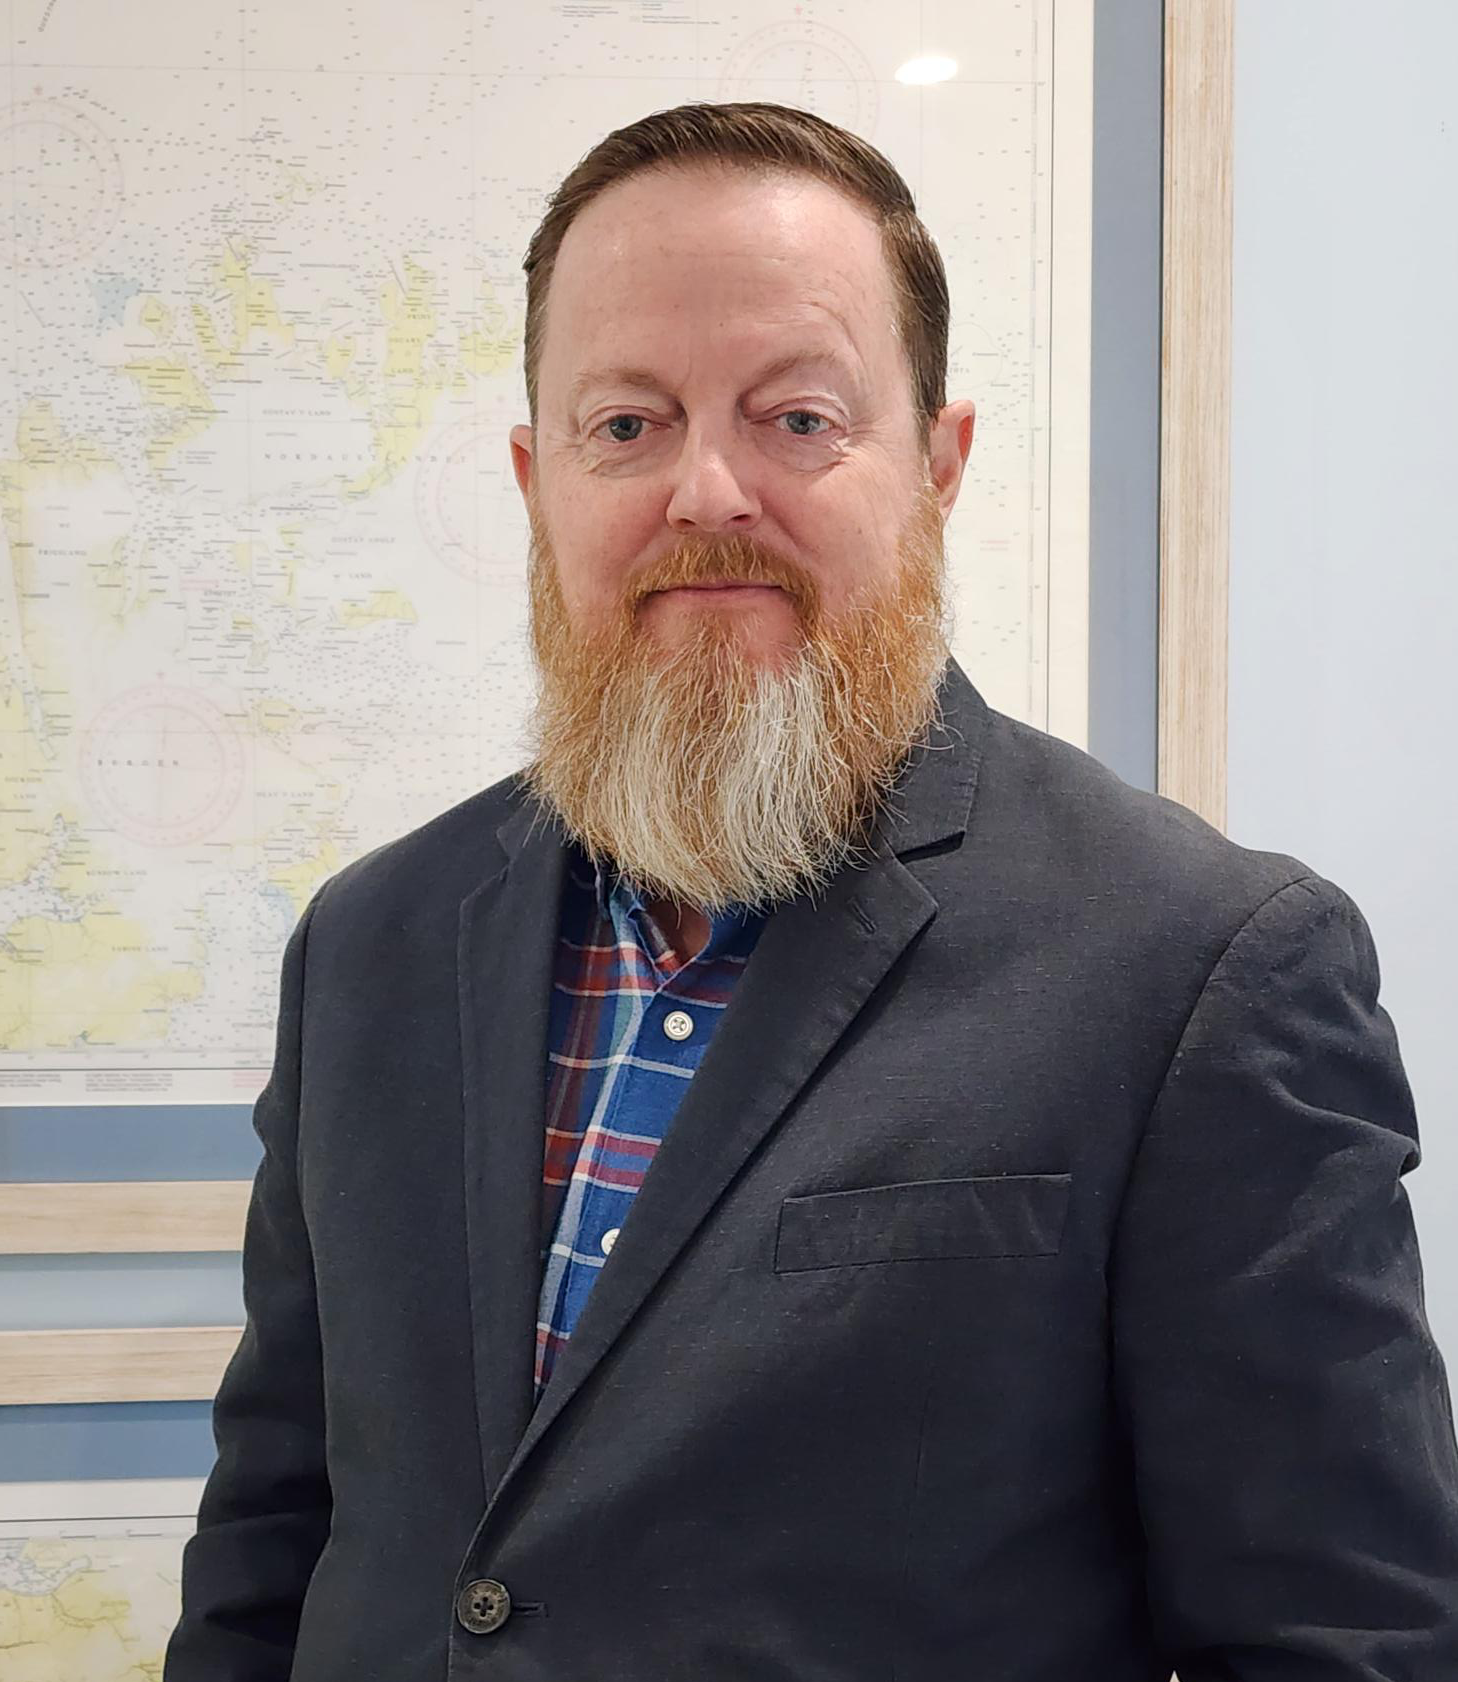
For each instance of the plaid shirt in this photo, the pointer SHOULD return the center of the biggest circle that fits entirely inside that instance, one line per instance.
(629, 1024)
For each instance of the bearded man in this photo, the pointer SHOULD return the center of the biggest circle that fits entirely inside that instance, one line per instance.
(812, 1177)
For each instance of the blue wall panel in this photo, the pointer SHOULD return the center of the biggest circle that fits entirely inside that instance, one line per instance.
(118, 1142)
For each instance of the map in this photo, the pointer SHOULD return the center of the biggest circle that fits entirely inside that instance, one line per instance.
(92, 1607)
(262, 558)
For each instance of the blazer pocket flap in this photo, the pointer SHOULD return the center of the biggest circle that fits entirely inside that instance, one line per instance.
(920, 1220)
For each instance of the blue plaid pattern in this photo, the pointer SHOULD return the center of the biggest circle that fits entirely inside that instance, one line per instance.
(630, 1022)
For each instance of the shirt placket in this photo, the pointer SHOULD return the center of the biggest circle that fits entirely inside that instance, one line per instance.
(668, 1030)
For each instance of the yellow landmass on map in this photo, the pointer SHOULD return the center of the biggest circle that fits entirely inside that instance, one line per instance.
(273, 717)
(23, 838)
(339, 351)
(168, 383)
(379, 607)
(107, 1621)
(45, 454)
(155, 316)
(399, 420)
(251, 309)
(295, 187)
(275, 566)
(255, 308)
(30, 842)
(492, 346)
(71, 872)
(409, 321)
(172, 381)
(86, 982)
(121, 586)
(49, 460)
(299, 880)
(222, 358)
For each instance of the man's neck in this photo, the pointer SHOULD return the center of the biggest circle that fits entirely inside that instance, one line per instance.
(686, 929)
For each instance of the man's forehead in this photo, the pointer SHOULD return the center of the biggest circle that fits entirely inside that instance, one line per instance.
(720, 214)
(759, 266)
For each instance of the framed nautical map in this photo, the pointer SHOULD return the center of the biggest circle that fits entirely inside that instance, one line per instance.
(261, 554)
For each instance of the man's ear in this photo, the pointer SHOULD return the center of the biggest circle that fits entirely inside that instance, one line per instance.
(947, 447)
(523, 442)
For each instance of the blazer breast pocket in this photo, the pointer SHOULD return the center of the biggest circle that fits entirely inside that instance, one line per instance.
(924, 1220)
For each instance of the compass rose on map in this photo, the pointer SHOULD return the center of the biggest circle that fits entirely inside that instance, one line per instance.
(467, 503)
(975, 359)
(163, 764)
(61, 179)
(809, 65)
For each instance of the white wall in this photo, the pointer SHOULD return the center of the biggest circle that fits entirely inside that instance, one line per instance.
(1344, 565)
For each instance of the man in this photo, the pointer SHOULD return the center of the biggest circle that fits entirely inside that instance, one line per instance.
(956, 1196)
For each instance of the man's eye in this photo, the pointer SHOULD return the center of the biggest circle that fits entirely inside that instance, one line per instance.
(803, 414)
(625, 421)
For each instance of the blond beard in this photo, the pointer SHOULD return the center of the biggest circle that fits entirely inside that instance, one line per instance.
(708, 777)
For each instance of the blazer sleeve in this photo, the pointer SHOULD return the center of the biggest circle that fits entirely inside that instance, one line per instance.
(265, 1509)
(1287, 1411)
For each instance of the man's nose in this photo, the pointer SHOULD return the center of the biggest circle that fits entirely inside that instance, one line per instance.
(712, 487)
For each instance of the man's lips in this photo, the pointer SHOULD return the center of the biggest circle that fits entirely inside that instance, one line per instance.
(730, 584)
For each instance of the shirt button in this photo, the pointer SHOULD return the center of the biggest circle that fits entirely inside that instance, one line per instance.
(678, 1025)
(609, 1238)
(483, 1606)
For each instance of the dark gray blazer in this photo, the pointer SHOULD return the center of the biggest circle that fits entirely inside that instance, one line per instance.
(1025, 1290)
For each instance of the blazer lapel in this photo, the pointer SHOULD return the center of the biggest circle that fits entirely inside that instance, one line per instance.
(814, 967)
(505, 953)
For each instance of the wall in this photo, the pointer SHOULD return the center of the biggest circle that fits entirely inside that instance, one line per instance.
(1344, 567)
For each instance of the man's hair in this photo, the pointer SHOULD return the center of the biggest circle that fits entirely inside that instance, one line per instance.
(763, 138)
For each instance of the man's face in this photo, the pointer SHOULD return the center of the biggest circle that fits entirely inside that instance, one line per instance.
(720, 361)
(723, 401)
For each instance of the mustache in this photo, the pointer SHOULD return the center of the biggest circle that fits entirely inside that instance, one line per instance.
(736, 559)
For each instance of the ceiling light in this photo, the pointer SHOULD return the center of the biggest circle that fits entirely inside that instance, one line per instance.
(917, 72)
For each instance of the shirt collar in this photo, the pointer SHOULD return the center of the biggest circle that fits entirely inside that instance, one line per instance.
(612, 891)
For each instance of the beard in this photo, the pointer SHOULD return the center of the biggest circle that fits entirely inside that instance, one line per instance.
(710, 776)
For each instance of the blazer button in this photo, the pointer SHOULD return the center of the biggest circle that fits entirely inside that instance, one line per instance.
(483, 1606)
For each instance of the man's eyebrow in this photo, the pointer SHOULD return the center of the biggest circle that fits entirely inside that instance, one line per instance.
(644, 379)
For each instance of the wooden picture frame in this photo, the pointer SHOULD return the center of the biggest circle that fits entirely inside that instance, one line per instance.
(1195, 363)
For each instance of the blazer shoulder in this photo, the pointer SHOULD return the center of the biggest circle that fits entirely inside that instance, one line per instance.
(1082, 826)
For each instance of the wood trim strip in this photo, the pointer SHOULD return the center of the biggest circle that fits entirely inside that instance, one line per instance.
(1194, 498)
(155, 1364)
(142, 1217)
